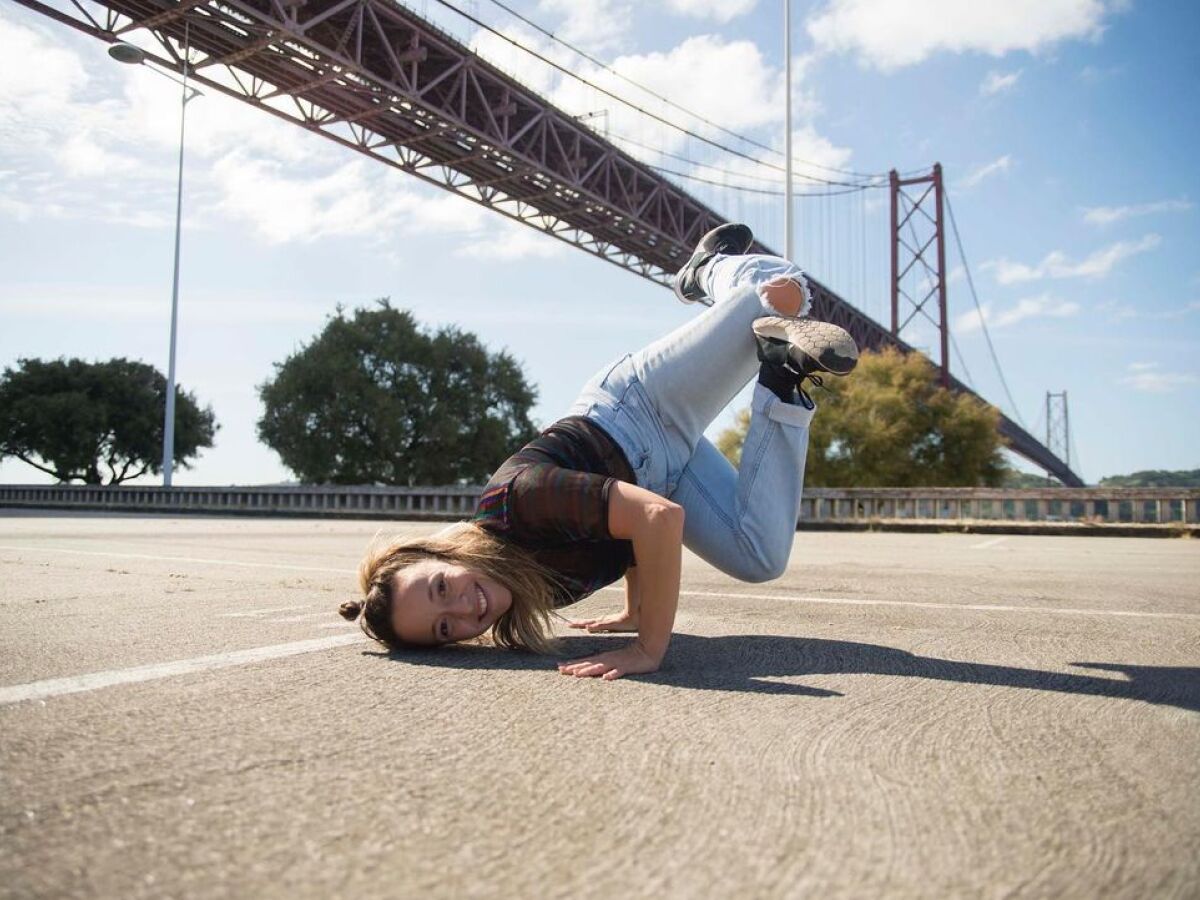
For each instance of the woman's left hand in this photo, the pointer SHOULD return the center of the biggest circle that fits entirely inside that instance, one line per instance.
(631, 660)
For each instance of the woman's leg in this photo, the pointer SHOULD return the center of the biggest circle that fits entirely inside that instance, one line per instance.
(743, 521)
(658, 401)
(694, 372)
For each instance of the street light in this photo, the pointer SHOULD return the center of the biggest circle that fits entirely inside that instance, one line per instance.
(136, 56)
(788, 230)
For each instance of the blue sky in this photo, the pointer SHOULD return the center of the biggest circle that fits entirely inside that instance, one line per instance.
(1067, 130)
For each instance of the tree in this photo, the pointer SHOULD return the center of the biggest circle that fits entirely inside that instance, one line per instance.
(78, 420)
(1155, 478)
(1014, 478)
(374, 400)
(730, 441)
(890, 424)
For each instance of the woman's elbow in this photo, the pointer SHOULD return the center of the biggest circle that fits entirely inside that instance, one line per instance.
(665, 517)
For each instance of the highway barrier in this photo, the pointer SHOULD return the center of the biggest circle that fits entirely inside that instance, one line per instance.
(847, 507)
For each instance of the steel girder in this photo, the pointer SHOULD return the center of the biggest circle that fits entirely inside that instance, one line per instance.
(375, 77)
(372, 75)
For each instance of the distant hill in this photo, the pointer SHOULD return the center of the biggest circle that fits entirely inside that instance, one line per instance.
(1015, 479)
(1154, 478)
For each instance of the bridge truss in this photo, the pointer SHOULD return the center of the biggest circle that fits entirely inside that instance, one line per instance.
(375, 77)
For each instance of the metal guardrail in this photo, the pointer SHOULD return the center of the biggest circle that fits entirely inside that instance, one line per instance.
(354, 502)
(1086, 505)
(1089, 505)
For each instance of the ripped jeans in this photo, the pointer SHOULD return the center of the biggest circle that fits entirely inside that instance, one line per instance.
(657, 402)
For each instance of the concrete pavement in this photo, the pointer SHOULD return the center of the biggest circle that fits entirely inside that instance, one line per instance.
(182, 713)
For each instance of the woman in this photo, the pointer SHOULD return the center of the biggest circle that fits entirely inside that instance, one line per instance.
(621, 484)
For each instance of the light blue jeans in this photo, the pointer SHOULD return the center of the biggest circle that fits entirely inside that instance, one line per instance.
(657, 402)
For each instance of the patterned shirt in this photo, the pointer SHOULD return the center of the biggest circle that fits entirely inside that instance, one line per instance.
(551, 498)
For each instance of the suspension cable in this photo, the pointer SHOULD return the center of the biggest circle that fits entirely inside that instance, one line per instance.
(564, 70)
(672, 103)
(979, 309)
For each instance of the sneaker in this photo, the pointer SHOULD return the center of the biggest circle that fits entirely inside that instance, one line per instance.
(804, 348)
(730, 239)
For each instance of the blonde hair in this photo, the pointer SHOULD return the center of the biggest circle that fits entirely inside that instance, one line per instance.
(525, 626)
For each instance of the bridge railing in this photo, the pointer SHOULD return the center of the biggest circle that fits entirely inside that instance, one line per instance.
(834, 505)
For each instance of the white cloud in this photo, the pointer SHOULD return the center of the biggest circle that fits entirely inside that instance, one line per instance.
(998, 82)
(36, 75)
(972, 178)
(1056, 264)
(813, 153)
(719, 10)
(591, 24)
(135, 303)
(697, 75)
(1107, 215)
(1147, 377)
(507, 241)
(1042, 306)
(351, 200)
(888, 35)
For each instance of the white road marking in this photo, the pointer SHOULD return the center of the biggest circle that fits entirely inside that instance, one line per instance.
(983, 545)
(305, 618)
(76, 684)
(254, 613)
(982, 607)
(186, 559)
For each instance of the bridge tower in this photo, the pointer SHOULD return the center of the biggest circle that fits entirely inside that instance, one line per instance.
(918, 237)
(1058, 430)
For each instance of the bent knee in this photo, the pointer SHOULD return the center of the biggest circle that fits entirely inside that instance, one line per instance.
(757, 568)
(784, 296)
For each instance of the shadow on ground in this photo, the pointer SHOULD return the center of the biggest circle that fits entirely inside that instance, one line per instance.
(741, 662)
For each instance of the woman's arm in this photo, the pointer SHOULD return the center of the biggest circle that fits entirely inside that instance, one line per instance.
(655, 526)
(627, 619)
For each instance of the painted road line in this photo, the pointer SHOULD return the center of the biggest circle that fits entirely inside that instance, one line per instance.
(983, 545)
(75, 684)
(253, 613)
(324, 614)
(186, 559)
(917, 604)
(983, 607)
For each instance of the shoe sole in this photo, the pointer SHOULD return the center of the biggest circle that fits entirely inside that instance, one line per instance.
(827, 347)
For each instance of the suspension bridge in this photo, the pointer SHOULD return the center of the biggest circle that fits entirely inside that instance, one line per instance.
(378, 78)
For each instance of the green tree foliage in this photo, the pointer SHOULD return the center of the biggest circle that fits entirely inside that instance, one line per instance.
(730, 441)
(374, 400)
(1016, 479)
(96, 422)
(890, 424)
(1155, 478)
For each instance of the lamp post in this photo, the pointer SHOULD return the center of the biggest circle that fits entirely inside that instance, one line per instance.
(131, 55)
(788, 231)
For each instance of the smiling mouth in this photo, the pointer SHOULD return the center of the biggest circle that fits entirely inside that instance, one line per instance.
(482, 599)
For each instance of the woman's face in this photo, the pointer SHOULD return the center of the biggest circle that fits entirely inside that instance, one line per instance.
(436, 602)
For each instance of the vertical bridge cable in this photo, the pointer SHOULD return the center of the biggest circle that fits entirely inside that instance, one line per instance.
(982, 321)
(962, 362)
(1076, 463)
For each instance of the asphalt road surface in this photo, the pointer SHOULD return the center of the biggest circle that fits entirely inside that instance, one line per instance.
(183, 714)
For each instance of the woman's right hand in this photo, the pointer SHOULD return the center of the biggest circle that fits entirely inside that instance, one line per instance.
(622, 621)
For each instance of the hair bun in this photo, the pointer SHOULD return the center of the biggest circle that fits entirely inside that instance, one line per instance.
(351, 609)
